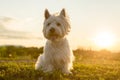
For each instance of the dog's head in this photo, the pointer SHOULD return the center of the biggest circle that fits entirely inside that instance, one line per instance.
(56, 26)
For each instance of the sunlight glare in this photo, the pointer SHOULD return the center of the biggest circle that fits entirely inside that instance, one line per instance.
(104, 39)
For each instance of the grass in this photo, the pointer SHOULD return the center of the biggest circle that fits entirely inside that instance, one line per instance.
(85, 68)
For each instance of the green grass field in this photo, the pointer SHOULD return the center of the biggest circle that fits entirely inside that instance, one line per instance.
(88, 65)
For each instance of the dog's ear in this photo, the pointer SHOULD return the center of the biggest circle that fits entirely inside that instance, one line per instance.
(62, 13)
(46, 14)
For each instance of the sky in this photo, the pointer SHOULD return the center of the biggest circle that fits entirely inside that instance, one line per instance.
(21, 22)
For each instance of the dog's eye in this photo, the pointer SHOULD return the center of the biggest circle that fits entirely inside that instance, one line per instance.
(48, 24)
(58, 24)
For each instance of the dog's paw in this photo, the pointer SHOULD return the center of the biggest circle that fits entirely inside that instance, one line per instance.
(67, 72)
(40, 78)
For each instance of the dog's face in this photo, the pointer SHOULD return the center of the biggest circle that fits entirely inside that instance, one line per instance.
(55, 26)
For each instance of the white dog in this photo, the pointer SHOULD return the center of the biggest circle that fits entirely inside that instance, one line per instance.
(57, 53)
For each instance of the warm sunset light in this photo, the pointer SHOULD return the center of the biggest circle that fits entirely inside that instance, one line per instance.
(94, 24)
(104, 39)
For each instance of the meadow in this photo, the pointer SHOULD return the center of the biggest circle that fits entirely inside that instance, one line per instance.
(17, 63)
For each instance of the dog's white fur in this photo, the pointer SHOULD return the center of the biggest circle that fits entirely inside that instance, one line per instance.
(57, 53)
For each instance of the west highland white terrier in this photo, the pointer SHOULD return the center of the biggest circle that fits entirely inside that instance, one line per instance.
(57, 53)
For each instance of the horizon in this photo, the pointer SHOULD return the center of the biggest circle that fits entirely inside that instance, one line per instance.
(94, 24)
(77, 49)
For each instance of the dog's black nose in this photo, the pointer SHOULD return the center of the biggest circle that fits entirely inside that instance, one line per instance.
(52, 30)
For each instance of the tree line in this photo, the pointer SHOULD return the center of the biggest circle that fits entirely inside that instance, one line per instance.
(13, 51)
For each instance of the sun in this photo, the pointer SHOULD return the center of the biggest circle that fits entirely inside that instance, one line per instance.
(104, 39)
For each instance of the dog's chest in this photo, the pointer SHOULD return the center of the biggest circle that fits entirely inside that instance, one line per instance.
(57, 48)
(57, 53)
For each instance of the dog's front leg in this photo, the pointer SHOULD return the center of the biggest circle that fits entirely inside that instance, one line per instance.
(66, 69)
(49, 68)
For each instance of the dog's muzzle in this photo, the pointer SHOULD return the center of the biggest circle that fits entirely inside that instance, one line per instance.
(52, 34)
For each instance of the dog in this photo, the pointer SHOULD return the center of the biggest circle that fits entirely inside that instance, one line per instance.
(57, 54)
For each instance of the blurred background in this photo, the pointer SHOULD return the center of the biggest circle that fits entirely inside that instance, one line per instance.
(95, 23)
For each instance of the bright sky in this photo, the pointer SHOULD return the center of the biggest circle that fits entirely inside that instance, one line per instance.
(89, 18)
